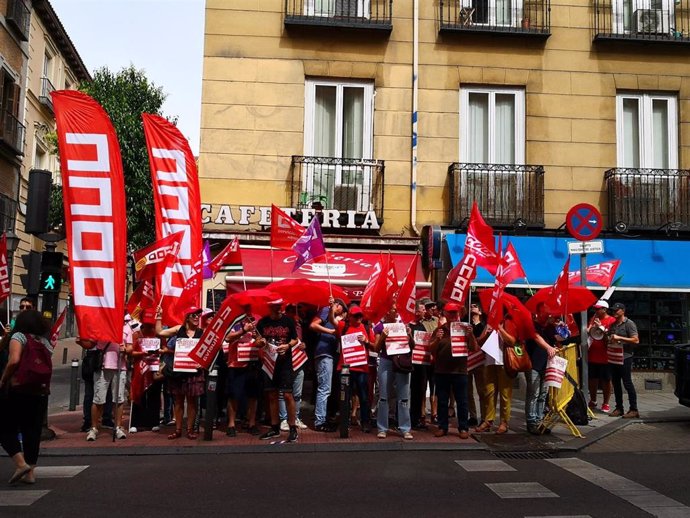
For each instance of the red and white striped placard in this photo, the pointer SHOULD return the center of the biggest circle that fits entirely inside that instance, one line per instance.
(268, 359)
(354, 353)
(475, 360)
(182, 362)
(299, 357)
(614, 352)
(247, 350)
(555, 371)
(397, 341)
(458, 340)
(421, 354)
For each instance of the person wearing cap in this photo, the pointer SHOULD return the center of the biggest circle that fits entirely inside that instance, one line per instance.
(279, 331)
(359, 374)
(430, 323)
(598, 371)
(451, 371)
(324, 355)
(623, 331)
(185, 387)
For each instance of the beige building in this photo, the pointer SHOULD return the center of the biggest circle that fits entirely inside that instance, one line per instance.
(398, 114)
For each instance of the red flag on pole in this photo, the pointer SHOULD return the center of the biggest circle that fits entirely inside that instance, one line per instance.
(191, 293)
(57, 326)
(152, 260)
(5, 286)
(231, 254)
(380, 291)
(142, 299)
(93, 192)
(407, 296)
(480, 241)
(285, 231)
(177, 205)
(510, 267)
(558, 296)
(211, 341)
(601, 274)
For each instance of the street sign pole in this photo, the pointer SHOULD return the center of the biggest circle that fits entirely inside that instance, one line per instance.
(584, 346)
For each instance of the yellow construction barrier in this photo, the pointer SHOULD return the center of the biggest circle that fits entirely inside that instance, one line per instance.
(559, 398)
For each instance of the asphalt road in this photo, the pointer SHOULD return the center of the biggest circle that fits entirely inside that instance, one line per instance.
(378, 484)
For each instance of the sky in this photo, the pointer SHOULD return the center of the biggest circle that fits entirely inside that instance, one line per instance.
(163, 37)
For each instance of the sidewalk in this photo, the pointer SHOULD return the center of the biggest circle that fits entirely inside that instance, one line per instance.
(654, 407)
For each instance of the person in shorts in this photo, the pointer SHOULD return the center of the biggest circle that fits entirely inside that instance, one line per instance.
(277, 333)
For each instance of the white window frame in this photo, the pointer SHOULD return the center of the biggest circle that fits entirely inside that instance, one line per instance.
(646, 127)
(310, 8)
(492, 21)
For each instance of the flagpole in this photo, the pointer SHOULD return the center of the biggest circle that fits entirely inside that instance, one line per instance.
(271, 267)
(328, 272)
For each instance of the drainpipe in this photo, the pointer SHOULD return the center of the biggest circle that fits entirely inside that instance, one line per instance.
(415, 92)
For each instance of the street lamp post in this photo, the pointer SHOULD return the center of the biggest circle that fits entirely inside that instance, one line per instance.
(12, 245)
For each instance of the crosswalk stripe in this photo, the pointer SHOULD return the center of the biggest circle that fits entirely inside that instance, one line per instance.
(484, 465)
(21, 497)
(58, 471)
(521, 490)
(638, 495)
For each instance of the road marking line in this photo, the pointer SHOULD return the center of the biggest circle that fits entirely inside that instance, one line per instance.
(58, 471)
(638, 495)
(521, 490)
(21, 498)
(484, 465)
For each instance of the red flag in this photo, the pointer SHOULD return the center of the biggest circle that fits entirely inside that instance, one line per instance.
(55, 330)
(480, 241)
(601, 274)
(285, 231)
(93, 193)
(380, 291)
(177, 205)
(229, 255)
(191, 293)
(407, 296)
(511, 268)
(152, 260)
(5, 287)
(142, 299)
(459, 279)
(211, 341)
(558, 296)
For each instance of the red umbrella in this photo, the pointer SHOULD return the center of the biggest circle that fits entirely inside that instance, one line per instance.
(578, 298)
(307, 291)
(512, 306)
(257, 298)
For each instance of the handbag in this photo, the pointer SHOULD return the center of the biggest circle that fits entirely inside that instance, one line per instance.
(402, 362)
(516, 359)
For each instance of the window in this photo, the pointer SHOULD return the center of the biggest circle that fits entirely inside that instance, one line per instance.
(495, 12)
(10, 128)
(643, 17)
(338, 124)
(48, 64)
(337, 8)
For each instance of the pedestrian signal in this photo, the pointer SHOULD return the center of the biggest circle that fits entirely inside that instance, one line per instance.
(50, 282)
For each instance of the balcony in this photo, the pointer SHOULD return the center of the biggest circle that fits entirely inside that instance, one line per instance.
(373, 15)
(46, 89)
(18, 17)
(508, 195)
(348, 185)
(12, 133)
(499, 17)
(622, 21)
(648, 199)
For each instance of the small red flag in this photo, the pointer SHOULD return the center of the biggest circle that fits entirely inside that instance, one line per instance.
(231, 254)
(558, 297)
(142, 299)
(380, 291)
(152, 260)
(285, 231)
(601, 274)
(407, 296)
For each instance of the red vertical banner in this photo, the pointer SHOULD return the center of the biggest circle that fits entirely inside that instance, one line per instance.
(93, 193)
(5, 287)
(177, 206)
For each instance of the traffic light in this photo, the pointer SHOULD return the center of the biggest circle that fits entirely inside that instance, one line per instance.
(51, 272)
(38, 201)
(31, 280)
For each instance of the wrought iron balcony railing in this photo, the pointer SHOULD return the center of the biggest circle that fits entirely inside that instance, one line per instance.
(354, 14)
(661, 21)
(12, 133)
(18, 16)
(343, 184)
(46, 88)
(529, 17)
(508, 195)
(648, 199)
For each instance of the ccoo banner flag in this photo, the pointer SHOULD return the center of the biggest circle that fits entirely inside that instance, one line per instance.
(94, 199)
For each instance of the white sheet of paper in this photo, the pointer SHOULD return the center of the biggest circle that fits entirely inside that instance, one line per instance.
(492, 348)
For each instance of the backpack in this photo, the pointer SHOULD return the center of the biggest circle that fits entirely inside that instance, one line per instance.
(35, 367)
(576, 409)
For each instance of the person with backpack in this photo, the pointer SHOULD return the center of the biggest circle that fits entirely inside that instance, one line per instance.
(24, 384)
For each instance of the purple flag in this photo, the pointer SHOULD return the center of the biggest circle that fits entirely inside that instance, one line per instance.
(310, 245)
(206, 251)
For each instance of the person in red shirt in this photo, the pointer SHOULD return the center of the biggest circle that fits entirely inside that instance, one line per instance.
(359, 374)
(597, 359)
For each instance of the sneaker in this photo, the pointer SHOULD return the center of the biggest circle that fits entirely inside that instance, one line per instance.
(253, 430)
(605, 408)
(300, 424)
(592, 404)
(85, 427)
(270, 434)
(326, 427)
(231, 432)
(120, 433)
(91, 436)
(631, 414)
(292, 436)
(616, 413)
(366, 428)
(408, 436)
(156, 429)
(284, 427)
(170, 422)
(133, 429)
(381, 435)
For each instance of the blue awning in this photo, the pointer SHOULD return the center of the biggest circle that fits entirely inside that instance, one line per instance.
(645, 264)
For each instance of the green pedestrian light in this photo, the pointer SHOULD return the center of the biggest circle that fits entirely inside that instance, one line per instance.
(50, 282)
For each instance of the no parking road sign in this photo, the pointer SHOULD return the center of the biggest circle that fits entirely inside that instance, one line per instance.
(584, 221)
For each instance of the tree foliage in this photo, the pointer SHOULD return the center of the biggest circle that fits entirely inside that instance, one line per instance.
(125, 95)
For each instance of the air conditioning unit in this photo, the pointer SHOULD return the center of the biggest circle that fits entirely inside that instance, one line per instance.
(651, 21)
(347, 197)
